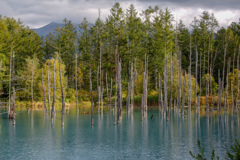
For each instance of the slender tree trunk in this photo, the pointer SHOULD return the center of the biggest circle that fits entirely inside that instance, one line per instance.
(45, 107)
(90, 78)
(190, 75)
(196, 68)
(54, 88)
(206, 91)
(219, 90)
(143, 95)
(132, 87)
(110, 96)
(179, 82)
(165, 87)
(171, 84)
(32, 85)
(99, 89)
(49, 105)
(200, 78)
(10, 80)
(184, 92)
(115, 103)
(226, 90)
(155, 78)
(119, 92)
(160, 93)
(107, 89)
(63, 103)
(76, 83)
(237, 78)
(232, 102)
(146, 83)
(13, 85)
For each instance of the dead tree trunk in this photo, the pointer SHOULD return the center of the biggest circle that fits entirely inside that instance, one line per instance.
(54, 88)
(179, 83)
(32, 84)
(76, 83)
(232, 102)
(155, 79)
(226, 90)
(110, 96)
(132, 87)
(119, 92)
(184, 92)
(13, 85)
(99, 89)
(115, 103)
(196, 68)
(237, 78)
(171, 84)
(219, 90)
(146, 82)
(190, 75)
(90, 79)
(128, 97)
(10, 80)
(44, 96)
(165, 86)
(107, 89)
(49, 105)
(63, 103)
(160, 93)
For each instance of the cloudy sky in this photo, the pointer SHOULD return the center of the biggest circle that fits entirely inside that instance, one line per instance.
(37, 13)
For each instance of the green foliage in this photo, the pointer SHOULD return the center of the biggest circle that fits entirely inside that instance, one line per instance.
(209, 79)
(236, 152)
(48, 67)
(201, 156)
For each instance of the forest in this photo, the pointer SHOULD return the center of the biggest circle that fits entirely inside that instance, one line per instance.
(131, 58)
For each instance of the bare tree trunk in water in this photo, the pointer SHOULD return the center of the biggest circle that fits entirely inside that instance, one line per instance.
(49, 105)
(99, 90)
(45, 107)
(184, 92)
(76, 83)
(131, 87)
(13, 85)
(196, 79)
(160, 92)
(165, 87)
(10, 80)
(107, 90)
(119, 92)
(219, 90)
(232, 102)
(63, 103)
(54, 88)
(115, 103)
(110, 96)
(90, 78)
(190, 75)
(32, 85)
(237, 79)
(171, 89)
(226, 90)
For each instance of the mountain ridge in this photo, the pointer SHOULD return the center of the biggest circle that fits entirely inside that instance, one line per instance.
(50, 27)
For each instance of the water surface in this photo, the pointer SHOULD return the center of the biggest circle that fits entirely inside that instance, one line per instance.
(35, 137)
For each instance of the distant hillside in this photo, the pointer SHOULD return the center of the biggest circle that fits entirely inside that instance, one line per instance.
(43, 31)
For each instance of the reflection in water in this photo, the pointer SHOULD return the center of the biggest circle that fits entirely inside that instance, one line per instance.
(35, 136)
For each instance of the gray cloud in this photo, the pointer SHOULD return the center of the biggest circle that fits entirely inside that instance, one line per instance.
(36, 13)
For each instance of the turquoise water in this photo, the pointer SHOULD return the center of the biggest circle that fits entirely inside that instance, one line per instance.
(35, 137)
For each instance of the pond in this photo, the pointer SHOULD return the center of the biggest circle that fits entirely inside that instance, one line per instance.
(35, 137)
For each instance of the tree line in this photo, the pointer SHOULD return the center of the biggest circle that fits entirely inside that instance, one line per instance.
(129, 58)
